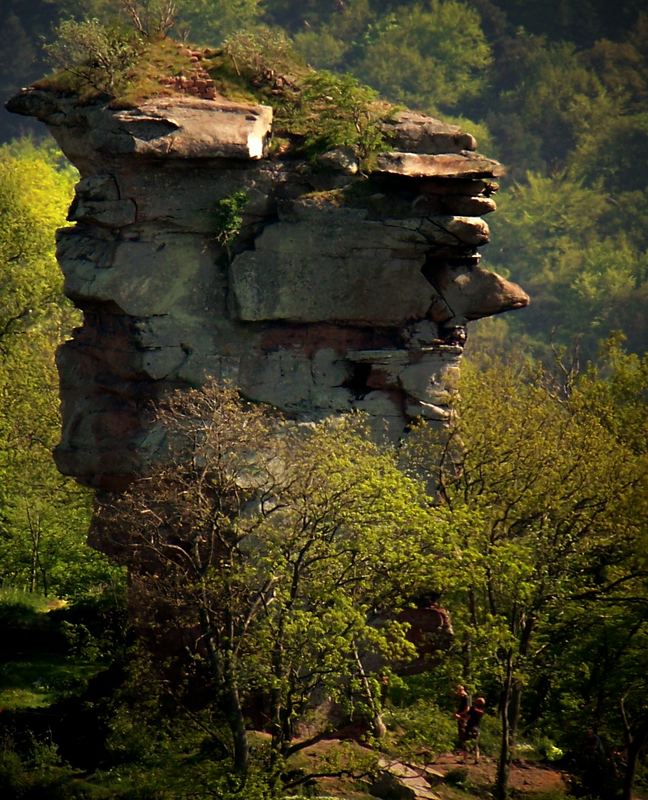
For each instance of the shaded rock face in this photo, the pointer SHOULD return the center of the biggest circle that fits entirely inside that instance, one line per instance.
(341, 291)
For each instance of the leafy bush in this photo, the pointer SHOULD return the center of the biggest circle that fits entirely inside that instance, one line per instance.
(425, 725)
(229, 217)
(338, 111)
(547, 749)
(13, 779)
(17, 615)
(260, 54)
(98, 56)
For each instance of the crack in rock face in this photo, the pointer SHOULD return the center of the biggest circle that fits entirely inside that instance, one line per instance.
(339, 290)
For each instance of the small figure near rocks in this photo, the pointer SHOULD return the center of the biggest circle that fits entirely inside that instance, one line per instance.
(453, 335)
(461, 714)
(473, 722)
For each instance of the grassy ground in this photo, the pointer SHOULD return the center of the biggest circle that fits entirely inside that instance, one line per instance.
(40, 681)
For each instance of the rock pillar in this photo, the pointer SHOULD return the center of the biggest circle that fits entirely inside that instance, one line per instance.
(340, 291)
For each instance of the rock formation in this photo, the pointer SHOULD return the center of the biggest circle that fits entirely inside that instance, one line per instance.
(341, 291)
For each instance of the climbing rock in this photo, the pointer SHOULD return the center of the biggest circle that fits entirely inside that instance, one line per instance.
(337, 291)
(170, 128)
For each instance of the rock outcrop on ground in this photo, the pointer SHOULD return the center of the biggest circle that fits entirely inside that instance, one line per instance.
(343, 289)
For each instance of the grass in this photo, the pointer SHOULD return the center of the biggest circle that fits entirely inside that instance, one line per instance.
(40, 681)
(163, 58)
(30, 675)
(19, 597)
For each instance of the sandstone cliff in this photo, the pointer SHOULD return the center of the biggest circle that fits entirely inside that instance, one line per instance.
(344, 289)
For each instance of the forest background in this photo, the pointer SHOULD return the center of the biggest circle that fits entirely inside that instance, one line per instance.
(558, 91)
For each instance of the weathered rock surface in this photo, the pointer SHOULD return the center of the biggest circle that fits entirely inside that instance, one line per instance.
(413, 132)
(398, 781)
(340, 292)
(459, 165)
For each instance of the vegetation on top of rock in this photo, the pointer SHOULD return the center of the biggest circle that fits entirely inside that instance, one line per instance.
(95, 55)
(314, 110)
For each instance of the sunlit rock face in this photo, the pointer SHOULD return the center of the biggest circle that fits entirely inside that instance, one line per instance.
(342, 291)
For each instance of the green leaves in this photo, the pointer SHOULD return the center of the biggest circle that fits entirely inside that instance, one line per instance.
(549, 479)
(433, 55)
(96, 55)
(228, 217)
(43, 517)
(338, 111)
(280, 544)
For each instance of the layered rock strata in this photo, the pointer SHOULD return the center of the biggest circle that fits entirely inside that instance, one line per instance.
(341, 290)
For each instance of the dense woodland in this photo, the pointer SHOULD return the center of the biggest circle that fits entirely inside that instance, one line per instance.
(538, 544)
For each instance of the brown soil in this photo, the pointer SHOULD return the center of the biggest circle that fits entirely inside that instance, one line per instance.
(528, 778)
(525, 776)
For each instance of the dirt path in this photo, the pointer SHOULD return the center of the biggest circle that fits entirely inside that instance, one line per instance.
(525, 776)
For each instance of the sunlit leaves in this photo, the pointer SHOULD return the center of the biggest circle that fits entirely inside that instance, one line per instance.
(43, 517)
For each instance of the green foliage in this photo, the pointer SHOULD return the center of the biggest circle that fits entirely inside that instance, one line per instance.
(424, 726)
(228, 217)
(307, 541)
(260, 53)
(587, 275)
(441, 53)
(555, 97)
(541, 517)
(338, 111)
(614, 152)
(41, 681)
(212, 21)
(339, 38)
(43, 518)
(316, 110)
(97, 56)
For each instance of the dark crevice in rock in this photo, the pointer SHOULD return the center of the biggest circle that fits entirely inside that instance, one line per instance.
(357, 383)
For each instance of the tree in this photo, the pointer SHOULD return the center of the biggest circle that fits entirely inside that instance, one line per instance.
(539, 510)
(268, 547)
(43, 517)
(338, 111)
(584, 267)
(433, 55)
(212, 21)
(98, 56)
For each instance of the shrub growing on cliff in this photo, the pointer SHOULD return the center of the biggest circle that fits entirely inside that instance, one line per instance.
(338, 111)
(324, 109)
(260, 54)
(229, 218)
(99, 57)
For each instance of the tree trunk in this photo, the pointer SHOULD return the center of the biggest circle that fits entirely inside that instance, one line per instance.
(379, 727)
(515, 705)
(630, 772)
(504, 762)
(634, 748)
(223, 668)
(236, 723)
(634, 742)
(35, 535)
